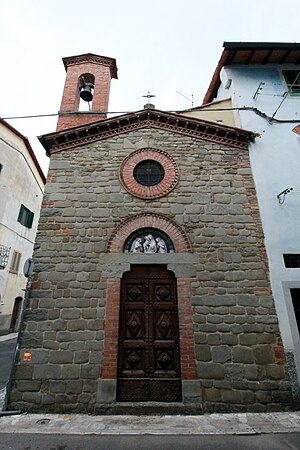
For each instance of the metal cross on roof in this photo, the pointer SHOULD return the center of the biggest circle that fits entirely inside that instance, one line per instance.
(148, 96)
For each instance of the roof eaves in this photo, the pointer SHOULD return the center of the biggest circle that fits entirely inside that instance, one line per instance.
(82, 135)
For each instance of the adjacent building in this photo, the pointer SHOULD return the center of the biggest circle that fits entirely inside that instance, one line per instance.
(259, 85)
(21, 191)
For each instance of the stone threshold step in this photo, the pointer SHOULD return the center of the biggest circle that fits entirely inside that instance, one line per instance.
(149, 408)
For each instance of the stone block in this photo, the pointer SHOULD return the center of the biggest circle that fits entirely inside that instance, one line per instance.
(95, 357)
(74, 387)
(252, 372)
(29, 386)
(106, 392)
(90, 371)
(213, 339)
(48, 399)
(247, 397)
(213, 395)
(70, 372)
(23, 372)
(62, 164)
(263, 354)
(76, 325)
(219, 300)
(59, 325)
(60, 357)
(57, 387)
(248, 339)
(242, 354)
(200, 338)
(210, 370)
(282, 397)
(263, 396)
(234, 371)
(101, 213)
(223, 198)
(191, 391)
(39, 356)
(203, 353)
(81, 356)
(70, 313)
(47, 372)
(247, 300)
(229, 339)
(221, 354)
(222, 209)
(32, 397)
(231, 396)
(275, 371)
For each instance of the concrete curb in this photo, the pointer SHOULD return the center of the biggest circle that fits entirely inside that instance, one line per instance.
(213, 424)
(7, 337)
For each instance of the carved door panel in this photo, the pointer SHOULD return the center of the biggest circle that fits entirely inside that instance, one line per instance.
(148, 358)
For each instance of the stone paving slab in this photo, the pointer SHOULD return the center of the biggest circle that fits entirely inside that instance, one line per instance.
(247, 423)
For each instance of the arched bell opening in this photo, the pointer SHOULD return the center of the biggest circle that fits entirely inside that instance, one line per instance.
(86, 84)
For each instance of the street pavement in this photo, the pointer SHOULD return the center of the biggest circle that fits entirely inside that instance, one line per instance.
(285, 441)
(207, 424)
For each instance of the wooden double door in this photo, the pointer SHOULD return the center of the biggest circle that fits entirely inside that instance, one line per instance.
(148, 354)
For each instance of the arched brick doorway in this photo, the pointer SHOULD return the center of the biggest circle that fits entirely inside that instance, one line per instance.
(181, 263)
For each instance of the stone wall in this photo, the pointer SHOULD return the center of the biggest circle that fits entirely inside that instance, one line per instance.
(239, 356)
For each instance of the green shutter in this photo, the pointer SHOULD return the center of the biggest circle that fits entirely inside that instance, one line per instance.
(29, 219)
(22, 207)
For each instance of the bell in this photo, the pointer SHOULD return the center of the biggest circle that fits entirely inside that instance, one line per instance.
(86, 92)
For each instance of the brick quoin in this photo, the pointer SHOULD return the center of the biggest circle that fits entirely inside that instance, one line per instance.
(96, 69)
(111, 329)
(279, 354)
(186, 334)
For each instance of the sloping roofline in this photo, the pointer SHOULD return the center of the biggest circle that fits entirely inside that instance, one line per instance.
(248, 53)
(146, 118)
(27, 145)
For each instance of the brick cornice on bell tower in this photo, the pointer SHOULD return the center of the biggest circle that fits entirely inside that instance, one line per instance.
(101, 69)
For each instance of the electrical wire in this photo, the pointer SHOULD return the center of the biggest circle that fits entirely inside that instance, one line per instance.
(244, 108)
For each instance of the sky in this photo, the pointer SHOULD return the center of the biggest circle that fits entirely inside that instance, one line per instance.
(161, 46)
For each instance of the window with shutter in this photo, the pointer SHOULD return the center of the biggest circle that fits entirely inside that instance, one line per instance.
(295, 294)
(292, 79)
(25, 216)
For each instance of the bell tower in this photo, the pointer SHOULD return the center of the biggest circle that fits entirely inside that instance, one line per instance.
(87, 80)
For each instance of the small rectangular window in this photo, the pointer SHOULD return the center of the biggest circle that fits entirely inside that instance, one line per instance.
(1, 167)
(15, 262)
(295, 294)
(292, 79)
(25, 216)
(291, 260)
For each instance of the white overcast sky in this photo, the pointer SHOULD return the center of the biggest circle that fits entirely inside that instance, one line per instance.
(162, 46)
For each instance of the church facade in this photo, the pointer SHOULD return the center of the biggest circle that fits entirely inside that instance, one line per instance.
(151, 289)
